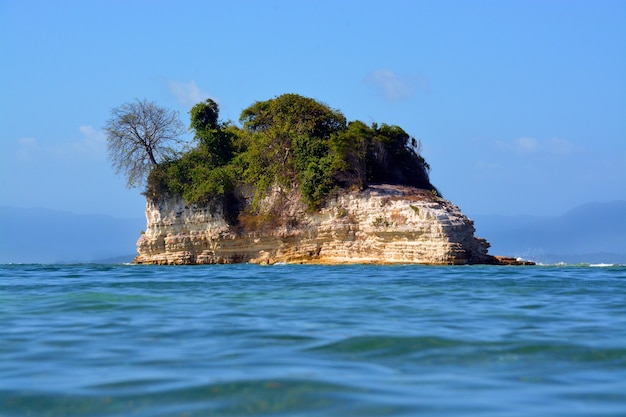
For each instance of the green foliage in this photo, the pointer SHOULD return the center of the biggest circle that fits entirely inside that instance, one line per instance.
(208, 183)
(204, 115)
(292, 114)
(211, 135)
(380, 221)
(289, 141)
(316, 182)
(157, 183)
(392, 158)
(349, 149)
(289, 138)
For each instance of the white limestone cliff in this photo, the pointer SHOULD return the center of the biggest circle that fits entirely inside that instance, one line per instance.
(381, 225)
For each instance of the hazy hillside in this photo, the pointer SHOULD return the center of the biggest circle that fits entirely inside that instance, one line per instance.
(594, 232)
(49, 236)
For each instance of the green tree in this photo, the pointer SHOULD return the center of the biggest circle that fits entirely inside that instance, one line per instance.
(349, 149)
(293, 114)
(289, 135)
(211, 134)
(204, 115)
(140, 135)
(393, 157)
(289, 141)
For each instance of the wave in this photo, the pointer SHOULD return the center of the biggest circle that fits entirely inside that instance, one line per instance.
(582, 265)
(245, 397)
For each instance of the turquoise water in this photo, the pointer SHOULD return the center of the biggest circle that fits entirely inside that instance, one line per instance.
(243, 340)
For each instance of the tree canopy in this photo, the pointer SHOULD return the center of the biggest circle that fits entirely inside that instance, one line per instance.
(213, 137)
(291, 142)
(292, 114)
(140, 135)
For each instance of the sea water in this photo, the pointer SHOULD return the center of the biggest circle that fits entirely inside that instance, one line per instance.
(288, 340)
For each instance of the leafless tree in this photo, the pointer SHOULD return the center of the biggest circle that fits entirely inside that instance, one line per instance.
(140, 135)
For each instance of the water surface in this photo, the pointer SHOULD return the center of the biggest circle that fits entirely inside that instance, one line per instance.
(244, 340)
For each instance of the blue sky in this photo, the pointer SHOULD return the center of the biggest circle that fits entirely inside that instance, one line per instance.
(520, 105)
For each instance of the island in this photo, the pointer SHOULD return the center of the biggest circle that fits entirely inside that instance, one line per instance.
(296, 182)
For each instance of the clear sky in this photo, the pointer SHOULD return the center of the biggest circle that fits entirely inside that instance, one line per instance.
(520, 105)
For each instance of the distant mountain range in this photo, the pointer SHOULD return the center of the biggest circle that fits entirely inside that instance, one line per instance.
(591, 233)
(50, 236)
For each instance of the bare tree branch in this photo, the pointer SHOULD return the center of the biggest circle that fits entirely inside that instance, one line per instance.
(140, 135)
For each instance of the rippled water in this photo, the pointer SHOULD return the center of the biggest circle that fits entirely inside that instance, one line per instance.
(242, 340)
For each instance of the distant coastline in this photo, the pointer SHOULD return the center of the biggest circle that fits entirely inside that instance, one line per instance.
(89, 239)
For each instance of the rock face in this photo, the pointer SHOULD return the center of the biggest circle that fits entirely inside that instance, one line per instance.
(381, 225)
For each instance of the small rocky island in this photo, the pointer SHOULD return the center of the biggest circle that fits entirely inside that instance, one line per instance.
(299, 184)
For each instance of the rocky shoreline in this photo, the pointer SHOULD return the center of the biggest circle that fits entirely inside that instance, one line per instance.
(384, 224)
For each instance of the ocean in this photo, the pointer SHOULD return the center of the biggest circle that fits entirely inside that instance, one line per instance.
(303, 340)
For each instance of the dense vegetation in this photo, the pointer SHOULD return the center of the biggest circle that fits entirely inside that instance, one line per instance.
(289, 141)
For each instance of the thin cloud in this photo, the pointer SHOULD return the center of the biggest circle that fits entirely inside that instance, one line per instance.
(92, 145)
(526, 146)
(27, 148)
(396, 87)
(562, 146)
(93, 142)
(187, 94)
(532, 146)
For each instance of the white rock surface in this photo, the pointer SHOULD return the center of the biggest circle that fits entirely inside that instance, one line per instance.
(383, 225)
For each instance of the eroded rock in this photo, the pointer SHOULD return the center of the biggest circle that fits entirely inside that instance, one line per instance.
(383, 224)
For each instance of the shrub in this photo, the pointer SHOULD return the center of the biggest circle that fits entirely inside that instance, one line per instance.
(289, 141)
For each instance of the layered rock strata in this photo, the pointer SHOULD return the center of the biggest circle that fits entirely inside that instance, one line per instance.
(381, 225)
